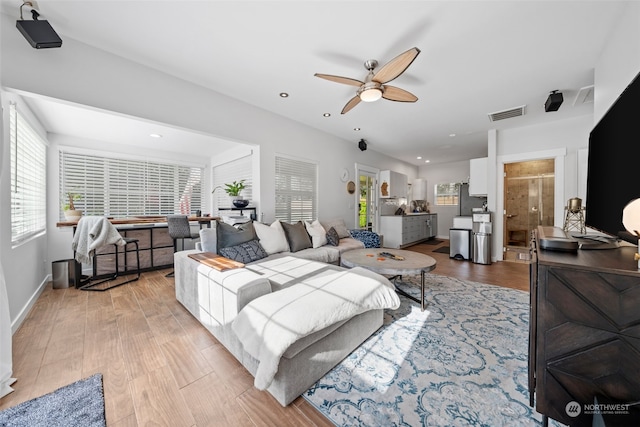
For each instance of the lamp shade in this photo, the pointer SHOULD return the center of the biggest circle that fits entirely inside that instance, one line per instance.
(631, 217)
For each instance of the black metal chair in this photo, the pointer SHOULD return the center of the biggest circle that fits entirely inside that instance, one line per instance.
(91, 285)
(180, 229)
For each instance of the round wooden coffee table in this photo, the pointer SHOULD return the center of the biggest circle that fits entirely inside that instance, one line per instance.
(411, 263)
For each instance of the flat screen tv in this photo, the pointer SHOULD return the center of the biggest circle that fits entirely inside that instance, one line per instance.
(613, 170)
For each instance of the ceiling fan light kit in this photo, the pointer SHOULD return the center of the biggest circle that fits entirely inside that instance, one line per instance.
(374, 87)
(370, 92)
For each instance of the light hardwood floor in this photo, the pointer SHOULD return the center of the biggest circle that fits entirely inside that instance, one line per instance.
(159, 365)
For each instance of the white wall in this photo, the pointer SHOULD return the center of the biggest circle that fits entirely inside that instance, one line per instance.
(560, 140)
(619, 62)
(440, 174)
(83, 75)
(25, 266)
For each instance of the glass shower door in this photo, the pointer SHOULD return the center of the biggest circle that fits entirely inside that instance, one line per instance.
(529, 202)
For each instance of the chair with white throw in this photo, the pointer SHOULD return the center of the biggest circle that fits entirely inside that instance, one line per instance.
(93, 233)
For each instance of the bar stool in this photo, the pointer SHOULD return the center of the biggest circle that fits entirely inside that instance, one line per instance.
(179, 229)
(94, 233)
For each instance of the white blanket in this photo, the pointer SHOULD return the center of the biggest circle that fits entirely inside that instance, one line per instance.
(268, 325)
(93, 232)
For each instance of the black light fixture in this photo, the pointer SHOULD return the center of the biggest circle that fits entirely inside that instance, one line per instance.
(39, 34)
(554, 101)
(362, 145)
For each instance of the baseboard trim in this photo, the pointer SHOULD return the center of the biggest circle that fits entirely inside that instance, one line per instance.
(29, 305)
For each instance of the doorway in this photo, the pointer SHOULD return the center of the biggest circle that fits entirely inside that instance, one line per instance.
(366, 196)
(529, 202)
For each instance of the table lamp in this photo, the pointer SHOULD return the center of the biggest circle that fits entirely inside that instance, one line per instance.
(631, 221)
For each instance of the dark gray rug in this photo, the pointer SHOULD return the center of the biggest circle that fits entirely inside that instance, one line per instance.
(442, 250)
(433, 242)
(77, 404)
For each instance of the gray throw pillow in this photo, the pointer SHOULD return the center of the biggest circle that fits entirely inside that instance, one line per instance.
(332, 237)
(339, 225)
(229, 235)
(244, 252)
(297, 236)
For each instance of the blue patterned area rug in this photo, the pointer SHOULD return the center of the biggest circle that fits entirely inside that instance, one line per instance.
(77, 404)
(461, 362)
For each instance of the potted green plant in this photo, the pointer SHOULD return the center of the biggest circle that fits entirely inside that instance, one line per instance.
(70, 211)
(233, 190)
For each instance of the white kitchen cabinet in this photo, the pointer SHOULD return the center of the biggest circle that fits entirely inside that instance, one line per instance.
(419, 189)
(478, 174)
(392, 185)
(405, 230)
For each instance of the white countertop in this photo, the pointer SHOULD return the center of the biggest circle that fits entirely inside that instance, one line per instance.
(411, 214)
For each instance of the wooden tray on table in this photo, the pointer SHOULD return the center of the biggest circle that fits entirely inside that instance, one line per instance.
(216, 261)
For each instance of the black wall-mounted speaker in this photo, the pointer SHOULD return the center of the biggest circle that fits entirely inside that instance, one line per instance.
(362, 145)
(40, 34)
(554, 101)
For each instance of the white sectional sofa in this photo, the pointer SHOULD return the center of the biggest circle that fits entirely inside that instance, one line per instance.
(284, 316)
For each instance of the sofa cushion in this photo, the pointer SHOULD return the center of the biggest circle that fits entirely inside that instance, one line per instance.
(272, 237)
(244, 252)
(297, 236)
(229, 235)
(305, 342)
(208, 240)
(339, 225)
(349, 244)
(317, 232)
(332, 237)
(327, 254)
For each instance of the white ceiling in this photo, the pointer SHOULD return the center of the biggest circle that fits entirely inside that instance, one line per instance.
(477, 57)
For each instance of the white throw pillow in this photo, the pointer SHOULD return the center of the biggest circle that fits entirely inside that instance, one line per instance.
(317, 232)
(272, 237)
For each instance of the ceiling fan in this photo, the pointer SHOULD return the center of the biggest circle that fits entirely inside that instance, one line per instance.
(374, 86)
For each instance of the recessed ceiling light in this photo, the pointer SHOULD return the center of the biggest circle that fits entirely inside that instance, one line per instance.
(356, 129)
(427, 161)
(452, 135)
(327, 114)
(419, 157)
(284, 95)
(155, 135)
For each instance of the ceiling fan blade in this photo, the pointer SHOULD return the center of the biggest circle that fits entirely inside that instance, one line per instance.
(339, 79)
(393, 93)
(396, 66)
(352, 103)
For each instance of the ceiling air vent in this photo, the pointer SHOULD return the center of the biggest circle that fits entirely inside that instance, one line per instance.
(507, 114)
(584, 96)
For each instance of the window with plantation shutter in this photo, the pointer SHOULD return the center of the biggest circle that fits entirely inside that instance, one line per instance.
(296, 190)
(226, 173)
(125, 187)
(28, 179)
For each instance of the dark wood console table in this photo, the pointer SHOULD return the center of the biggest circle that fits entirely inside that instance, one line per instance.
(584, 336)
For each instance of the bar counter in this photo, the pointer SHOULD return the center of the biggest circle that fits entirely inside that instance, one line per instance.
(156, 247)
(137, 220)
